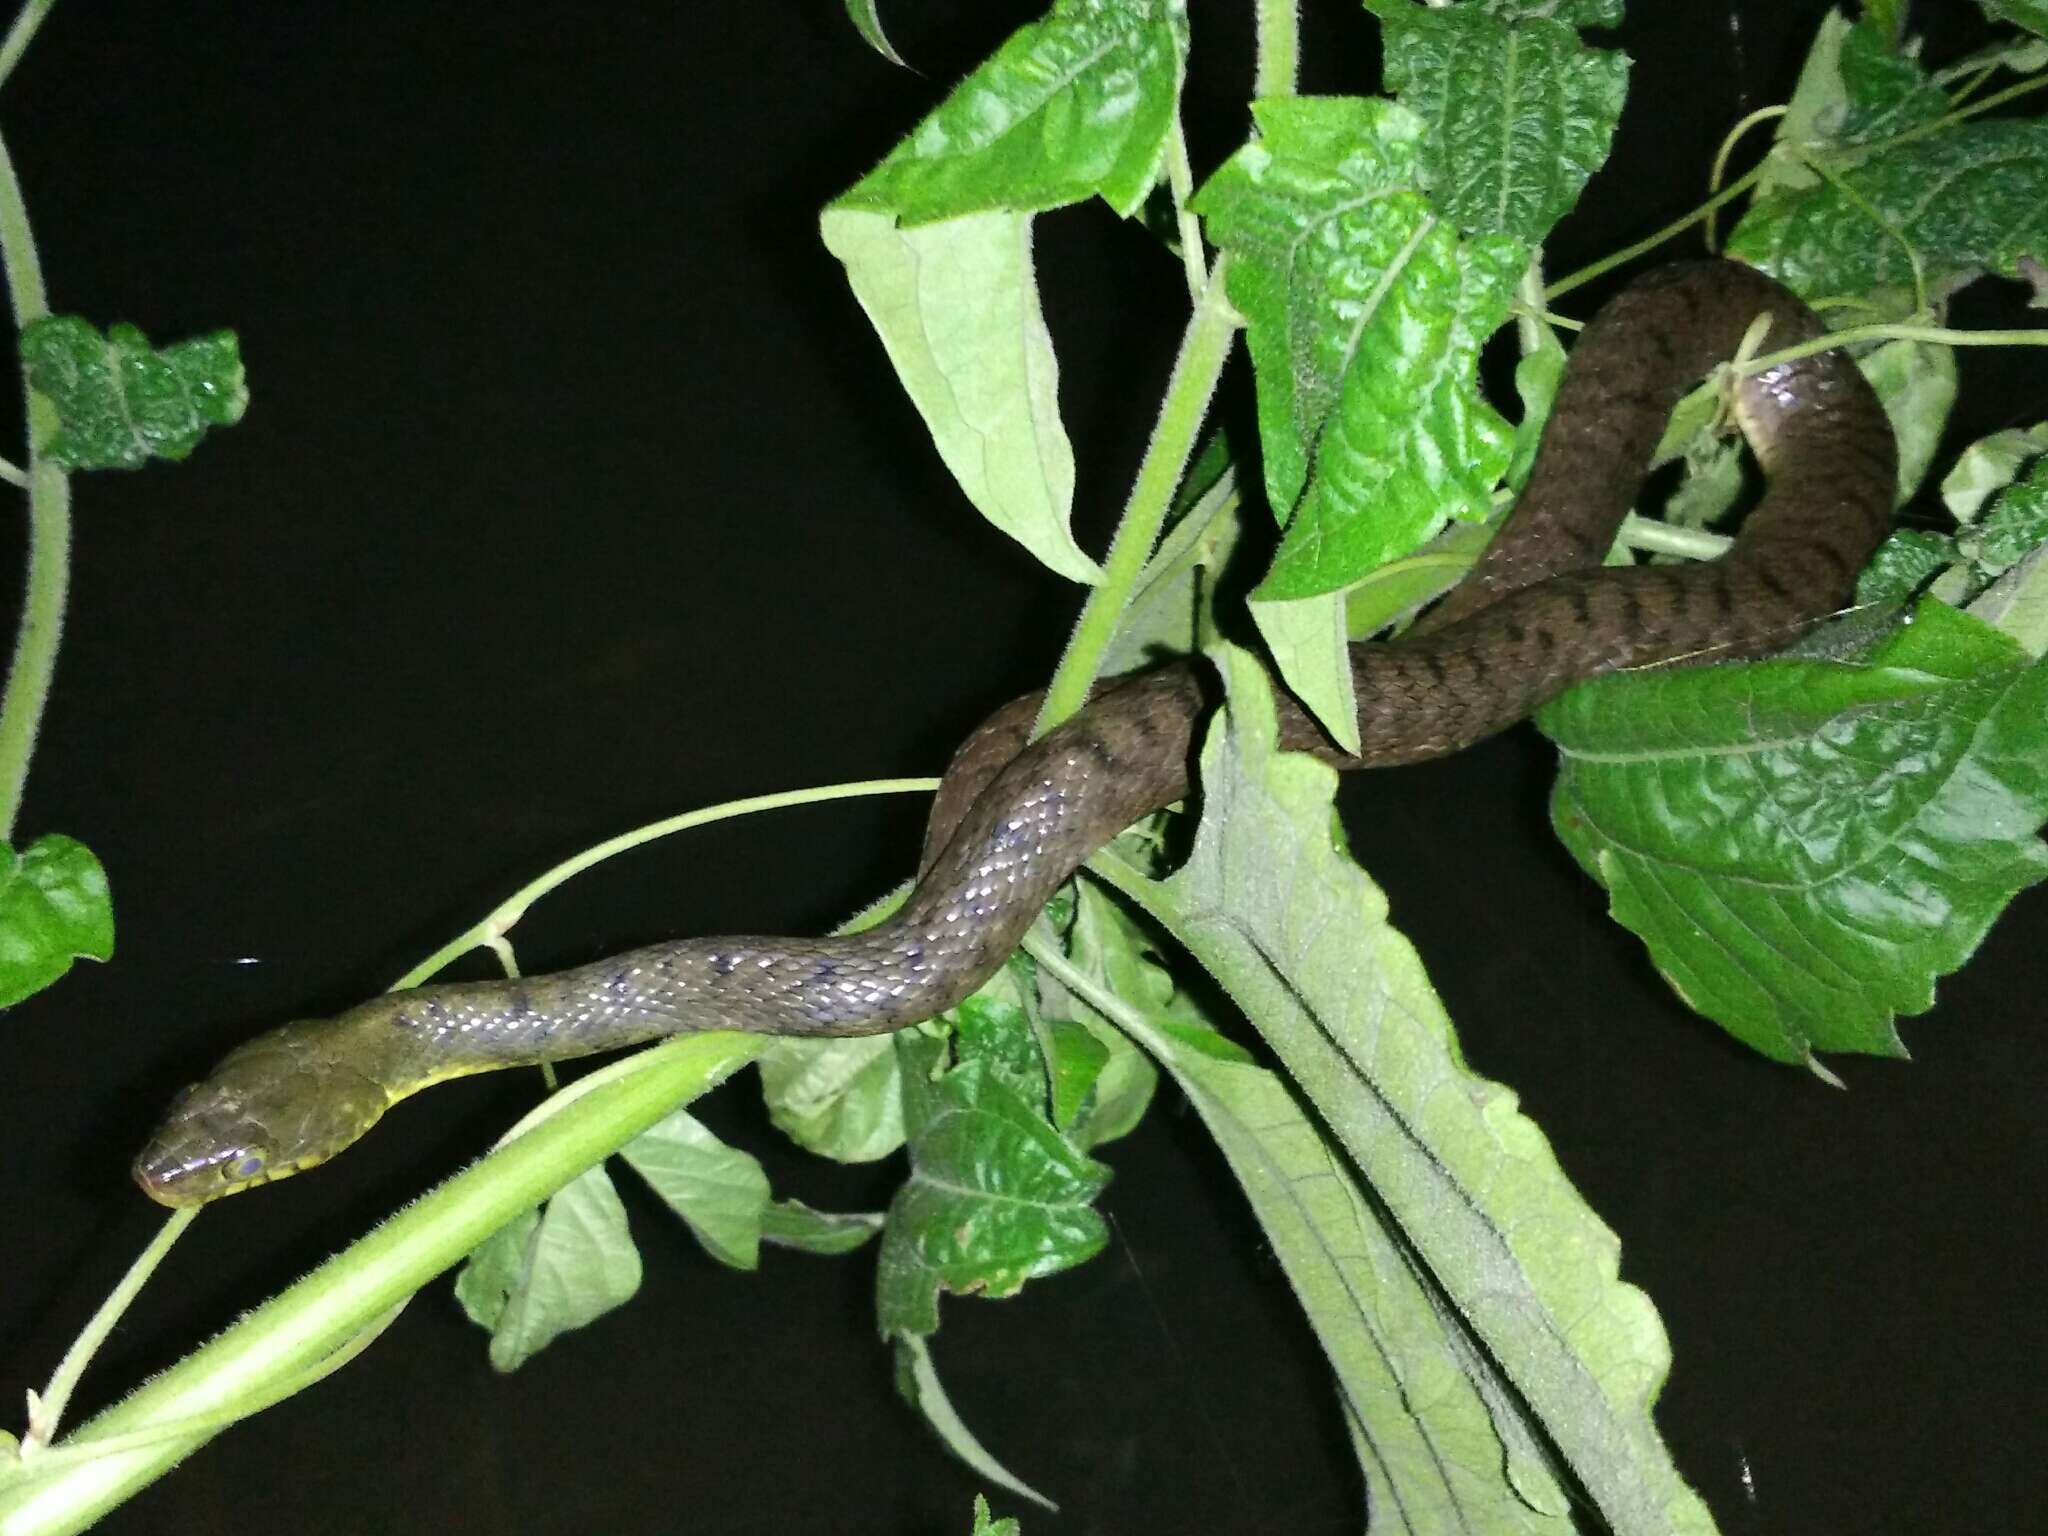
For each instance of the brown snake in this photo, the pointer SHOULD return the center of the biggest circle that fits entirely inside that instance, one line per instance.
(1013, 820)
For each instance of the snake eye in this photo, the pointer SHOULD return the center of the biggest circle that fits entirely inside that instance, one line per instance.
(248, 1167)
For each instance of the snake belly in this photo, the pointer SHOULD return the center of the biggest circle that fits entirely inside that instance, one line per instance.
(1014, 818)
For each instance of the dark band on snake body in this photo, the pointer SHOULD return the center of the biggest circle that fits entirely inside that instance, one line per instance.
(1013, 820)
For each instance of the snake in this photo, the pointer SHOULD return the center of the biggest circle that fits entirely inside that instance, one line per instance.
(1015, 817)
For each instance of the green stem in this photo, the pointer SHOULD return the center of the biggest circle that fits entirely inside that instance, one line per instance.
(21, 34)
(1203, 351)
(1761, 115)
(1666, 539)
(1279, 29)
(1180, 180)
(48, 1411)
(49, 521)
(302, 1326)
(490, 930)
(1678, 226)
(1940, 334)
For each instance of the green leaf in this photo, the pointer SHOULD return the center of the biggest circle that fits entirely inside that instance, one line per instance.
(1970, 198)
(720, 1192)
(986, 1524)
(2016, 525)
(120, 403)
(1448, 1445)
(837, 1098)
(1365, 316)
(1075, 106)
(1174, 602)
(1916, 383)
(1884, 92)
(1903, 565)
(995, 1195)
(54, 908)
(1074, 1061)
(2030, 14)
(991, 1027)
(1989, 465)
(1309, 642)
(551, 1272)
(917, 1382)
(1521, 112)
(867, 19)
(792, 1224)
(1806, 845)
(956, 306)
(1298, 936)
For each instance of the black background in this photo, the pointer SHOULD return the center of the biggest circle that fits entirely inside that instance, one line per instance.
(576, 491)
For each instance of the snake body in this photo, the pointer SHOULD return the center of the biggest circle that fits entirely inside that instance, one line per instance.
(1014, 818)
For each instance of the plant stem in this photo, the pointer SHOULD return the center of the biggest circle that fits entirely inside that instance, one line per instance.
(1661, 538)
(299, 1328)
(49, 1408)
(49, 521)
(1279, 29)
(1678, 226)
(1180, 180)
(491, 929)
(1203, 351)
(1940, 334)
(20, 34)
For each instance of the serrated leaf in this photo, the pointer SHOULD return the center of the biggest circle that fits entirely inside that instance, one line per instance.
(1973, 197)
(991, 1027)
(1806, 845)
(1521, 112)
(1298, 936)
(866, 17)
(792, 1224)
(720, 1192)
(1074, 106)
(1365, 314)
(54, 909)
(985, 1524)
(956, 306)
(119, 402)
(2030, 14)
(917, 1383)
(547, 1274)
(837, 1098)
(995, 1195)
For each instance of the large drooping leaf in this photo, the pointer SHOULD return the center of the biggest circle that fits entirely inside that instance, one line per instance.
(1074, 106)
(1298, 936)
(2031, 14)
(956, 306)
(720, 1192)
(552, 1270)
(1365, 313)
(1969, 198)
(837, 1098)
(995, 1195)
(119, 402)
(1521, 112)
(54, 909)
(1806, 845)
(1446, 1448)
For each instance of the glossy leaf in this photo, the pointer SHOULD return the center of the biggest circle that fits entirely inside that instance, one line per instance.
(1298, 936)
(1969, 198)
(551, 1271)
(1074, 106)
(1806, 845)
(867, 20)
(995, 1195)
(720, 1192)
(1365, 315)
(119, 402)
(1521, 112)
(54, 909)
(956, 306)
(837, 1098)
(792, 1224)
(2031, 14)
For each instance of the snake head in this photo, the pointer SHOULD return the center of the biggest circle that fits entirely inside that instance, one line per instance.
(279, 1104)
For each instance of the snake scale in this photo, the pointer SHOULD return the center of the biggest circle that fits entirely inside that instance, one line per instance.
(1014, 818)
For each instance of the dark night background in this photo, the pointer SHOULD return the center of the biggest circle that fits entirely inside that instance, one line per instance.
(576, 491)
